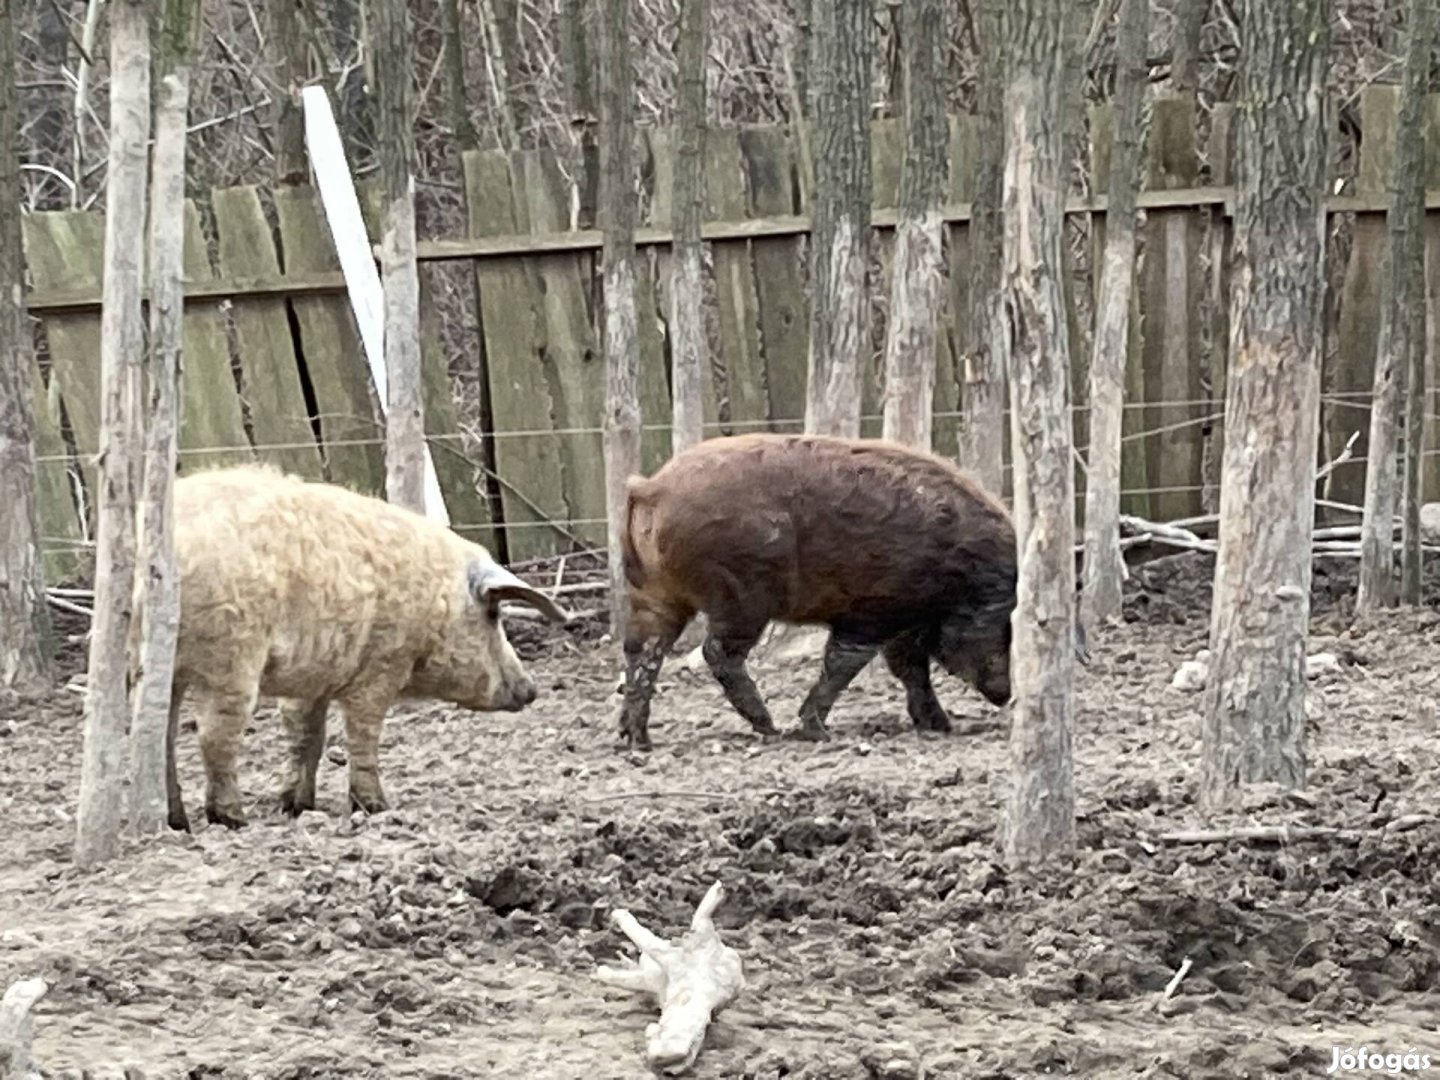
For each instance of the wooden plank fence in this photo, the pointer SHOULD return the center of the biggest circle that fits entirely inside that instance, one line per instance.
(274, 369)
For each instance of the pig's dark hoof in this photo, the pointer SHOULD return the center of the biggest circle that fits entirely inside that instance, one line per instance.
(372, 802)
(179, 820)
(935, 725)
(630, 740)
(813, 733)
(295, 804)
(230, 817)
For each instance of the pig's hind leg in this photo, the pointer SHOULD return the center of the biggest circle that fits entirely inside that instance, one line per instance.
(908, 658)
(846, 654)
(221, 725)
(726, 647)
(305, 724)
(648, 639)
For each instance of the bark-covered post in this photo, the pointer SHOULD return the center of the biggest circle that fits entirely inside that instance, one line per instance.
(404, 406)
(1417, 392)
(25, 645)
(456, 92)
(1040, 813)
(288, 49)
(915, 288)
(99, 820)
(1185, 56)
(160, 602)
(1402, 313)
(690, 359)
(622, 356)
(982, 367)
(840, 223)
(1104, 564)
(1254, 710)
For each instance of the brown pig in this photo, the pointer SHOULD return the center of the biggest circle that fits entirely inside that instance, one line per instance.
(896, 550)
(312, 593)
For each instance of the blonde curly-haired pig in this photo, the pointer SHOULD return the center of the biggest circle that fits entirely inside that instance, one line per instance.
(312, 593)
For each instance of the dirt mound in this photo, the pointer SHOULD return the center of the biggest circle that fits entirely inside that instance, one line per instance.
(1177, 589)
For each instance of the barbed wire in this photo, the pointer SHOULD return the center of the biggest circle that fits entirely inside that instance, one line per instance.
(713, 426)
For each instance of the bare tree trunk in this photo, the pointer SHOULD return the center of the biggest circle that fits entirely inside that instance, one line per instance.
(455, 81)
(1416, 395)
(1104, 565)
(622, 356)
(840, 224)
(1040, 818)
(918, 274)
(160, 597)
(982, 406)
(1185, 57)
(1254, 712)
(79, 105)
(1402, 316)
(49, 131)
(690, 359)
(404, 405)
(99, 821)
(353, 104)
(25, 645)
(288, 57)
(499, 59)
(576, 26)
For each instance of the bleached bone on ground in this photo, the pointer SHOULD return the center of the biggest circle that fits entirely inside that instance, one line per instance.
(15, 1028)
(691, 980)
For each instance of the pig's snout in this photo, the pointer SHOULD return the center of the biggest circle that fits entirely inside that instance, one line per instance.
(521, 693)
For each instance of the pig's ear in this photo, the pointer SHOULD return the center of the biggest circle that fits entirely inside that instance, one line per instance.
(491, 583)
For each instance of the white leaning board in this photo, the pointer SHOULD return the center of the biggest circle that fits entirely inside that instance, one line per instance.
(357, 263)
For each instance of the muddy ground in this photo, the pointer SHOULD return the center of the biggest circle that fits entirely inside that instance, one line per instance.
(456, 935)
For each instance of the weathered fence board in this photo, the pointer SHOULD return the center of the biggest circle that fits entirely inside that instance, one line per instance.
(527, 457)
(462, 482)
(271, 385)
(769, 157)
(573, 358)
(1170, 313)
(66, 248)
(1350, 380)
(350, 429)
(735, 286)
(65, 557)
(212, 421)
(1430, 473)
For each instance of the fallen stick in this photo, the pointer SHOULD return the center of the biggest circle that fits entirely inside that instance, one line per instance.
(16, 1027)
(1280, 834)
(65, 605)
(1345, 455)
(691, 980)
(1173, 984)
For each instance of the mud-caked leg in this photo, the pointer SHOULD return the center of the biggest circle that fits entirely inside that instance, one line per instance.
(909, 661)
(365, 707)
(305, 724)
(845, 657)
(221, 725)
(725, 650)
(643, 657)
(178, 819)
